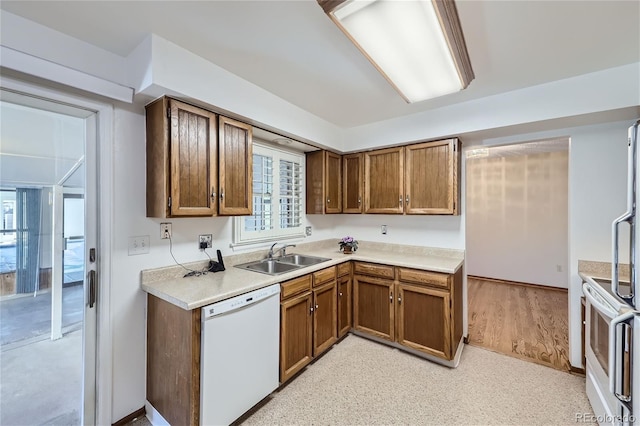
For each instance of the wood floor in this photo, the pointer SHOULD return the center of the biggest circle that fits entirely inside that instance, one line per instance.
(526, 322)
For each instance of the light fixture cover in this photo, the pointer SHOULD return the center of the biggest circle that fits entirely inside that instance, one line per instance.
(418, 45)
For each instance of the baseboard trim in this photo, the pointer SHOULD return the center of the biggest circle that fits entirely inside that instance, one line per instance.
(131, 417)
(578, 371)
(499, 281)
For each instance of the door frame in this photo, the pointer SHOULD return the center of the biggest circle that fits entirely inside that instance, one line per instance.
(104, 121)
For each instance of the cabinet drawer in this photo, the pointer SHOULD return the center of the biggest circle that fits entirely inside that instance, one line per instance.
(382, 271)
(295, 286)
(324, 275)
(434, 279)
(344, 269)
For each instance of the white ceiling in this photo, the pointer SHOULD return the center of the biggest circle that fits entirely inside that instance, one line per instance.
(293, 50)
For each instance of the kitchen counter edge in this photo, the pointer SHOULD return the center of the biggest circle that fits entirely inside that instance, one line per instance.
(195, 292)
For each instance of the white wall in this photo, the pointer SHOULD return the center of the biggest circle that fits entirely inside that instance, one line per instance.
(517, 217)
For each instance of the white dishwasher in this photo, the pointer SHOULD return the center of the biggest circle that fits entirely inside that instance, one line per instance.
(239, 360)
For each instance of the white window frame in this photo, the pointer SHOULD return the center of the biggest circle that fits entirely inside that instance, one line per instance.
(244, 238)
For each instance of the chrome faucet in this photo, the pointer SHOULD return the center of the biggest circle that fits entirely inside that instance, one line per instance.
(282, 249)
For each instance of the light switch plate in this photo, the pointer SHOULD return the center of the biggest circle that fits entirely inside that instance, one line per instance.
(138, 245)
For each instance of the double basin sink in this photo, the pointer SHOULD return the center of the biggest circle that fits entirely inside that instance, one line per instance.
(283, 264)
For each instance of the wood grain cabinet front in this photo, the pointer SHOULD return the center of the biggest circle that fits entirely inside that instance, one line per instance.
(181, 160)
(352, 183)
(421, 310)
(236, 168)
(415, 179)
(296, 321)
(323, 182)
(345, 286)
(325, 317)
(194, 166)
(431, 178)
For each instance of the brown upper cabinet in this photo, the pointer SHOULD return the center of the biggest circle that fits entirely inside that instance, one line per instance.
(324, 182)
(352, 183)
(431, 177)
(236, 167)
(384, 181)
(182, 162)
(416, 179)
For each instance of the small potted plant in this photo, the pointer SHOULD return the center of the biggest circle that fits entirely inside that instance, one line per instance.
(348, 245)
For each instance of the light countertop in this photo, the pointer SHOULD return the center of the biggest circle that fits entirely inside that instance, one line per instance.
(197, 291)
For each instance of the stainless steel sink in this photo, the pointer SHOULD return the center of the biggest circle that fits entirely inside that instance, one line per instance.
(302, 260)
(280, 265)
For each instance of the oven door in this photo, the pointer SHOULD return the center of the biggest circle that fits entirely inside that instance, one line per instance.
(599, 314)
(622, 357)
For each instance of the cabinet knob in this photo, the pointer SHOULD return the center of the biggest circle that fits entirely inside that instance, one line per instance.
(400, 201)
(399, 299)
(328, 200)
(213, 195)
(340, 294)
(316, 307)
(221, 194)
(311, 310)
(359, 200)
(407, 200)
(391, 297)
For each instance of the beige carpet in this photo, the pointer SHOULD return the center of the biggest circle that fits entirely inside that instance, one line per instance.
(362, 382)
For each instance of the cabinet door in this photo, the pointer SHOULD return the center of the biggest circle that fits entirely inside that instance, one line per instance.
(295, 335)
(352, 176)
(236, 168)
(432, 178)
(384, 181)
(325, 330)
(373, 306)
(344, 305)
(424, 321)
(333, 182)
(193, 160)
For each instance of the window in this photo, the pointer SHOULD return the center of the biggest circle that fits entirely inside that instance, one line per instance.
(278, 196)
(7, 231)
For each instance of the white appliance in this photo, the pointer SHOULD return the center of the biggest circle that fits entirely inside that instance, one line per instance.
(240, 354)
(612, 334)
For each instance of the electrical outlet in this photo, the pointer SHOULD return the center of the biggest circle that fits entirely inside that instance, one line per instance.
(165, 230)
(138, 245)
(383, 229)
(307, 231)
(206, 239)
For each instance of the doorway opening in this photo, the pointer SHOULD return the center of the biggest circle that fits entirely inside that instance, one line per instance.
(517, 250)
(43, 338)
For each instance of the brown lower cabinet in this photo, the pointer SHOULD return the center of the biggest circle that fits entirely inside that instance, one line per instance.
(308, 320)
(418, 309)
(345, 285)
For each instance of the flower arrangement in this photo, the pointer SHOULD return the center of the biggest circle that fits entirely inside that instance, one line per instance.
(348, 244)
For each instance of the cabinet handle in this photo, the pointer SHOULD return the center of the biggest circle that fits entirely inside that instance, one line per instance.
(359, 200)
(221, 194)
(213, 195)
(399, 299)
(400, 201)
(391, 298)
(407, 200)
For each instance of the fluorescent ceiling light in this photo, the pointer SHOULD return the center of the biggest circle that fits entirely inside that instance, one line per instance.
(417, 45)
